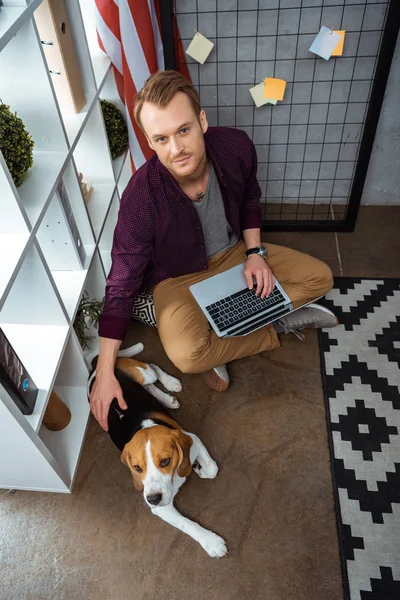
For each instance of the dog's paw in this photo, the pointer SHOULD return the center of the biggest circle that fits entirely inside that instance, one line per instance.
(206, 470)
(171, 402)
(172, 384)
(213, 544)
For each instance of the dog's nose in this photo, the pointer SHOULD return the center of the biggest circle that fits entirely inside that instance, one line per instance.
(154, 499)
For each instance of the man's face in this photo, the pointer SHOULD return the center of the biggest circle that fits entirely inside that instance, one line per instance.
(175, 133)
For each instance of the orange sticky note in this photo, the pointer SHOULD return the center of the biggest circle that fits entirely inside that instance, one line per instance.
(338, 51)
(274, 88)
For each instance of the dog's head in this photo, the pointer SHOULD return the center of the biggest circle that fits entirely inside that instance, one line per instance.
(154, 455)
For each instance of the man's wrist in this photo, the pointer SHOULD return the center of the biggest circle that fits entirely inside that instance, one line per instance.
(256, 251)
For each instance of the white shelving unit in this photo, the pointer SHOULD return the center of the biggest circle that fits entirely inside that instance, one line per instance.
(42, 274)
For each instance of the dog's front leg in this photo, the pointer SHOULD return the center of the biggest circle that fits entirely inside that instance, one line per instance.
(203, 464)
(212, 543)
(172, 384)
(165, 399)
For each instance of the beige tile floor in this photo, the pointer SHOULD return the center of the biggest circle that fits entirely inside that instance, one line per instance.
(272, 500)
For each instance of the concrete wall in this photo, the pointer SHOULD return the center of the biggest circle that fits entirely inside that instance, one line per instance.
(382, 185)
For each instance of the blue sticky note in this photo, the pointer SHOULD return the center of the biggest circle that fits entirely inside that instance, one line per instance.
(325, 43)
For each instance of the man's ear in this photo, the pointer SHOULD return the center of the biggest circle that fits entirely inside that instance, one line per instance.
(183, 444)
(203, 121)
(126, 460)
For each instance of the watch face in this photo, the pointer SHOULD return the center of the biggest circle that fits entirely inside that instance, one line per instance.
(262, 251)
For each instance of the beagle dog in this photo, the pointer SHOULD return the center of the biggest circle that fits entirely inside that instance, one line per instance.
(157, 451)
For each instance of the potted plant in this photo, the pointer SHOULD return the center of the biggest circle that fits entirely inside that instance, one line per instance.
(87, 317)
(117, 131)
(16, 144)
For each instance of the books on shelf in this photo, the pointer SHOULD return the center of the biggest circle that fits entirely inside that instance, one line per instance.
(15, 379)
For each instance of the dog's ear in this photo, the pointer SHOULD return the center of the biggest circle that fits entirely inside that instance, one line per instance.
(183, 444)
(126, 460)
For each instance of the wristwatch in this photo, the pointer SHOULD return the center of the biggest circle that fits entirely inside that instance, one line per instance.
(258, 250)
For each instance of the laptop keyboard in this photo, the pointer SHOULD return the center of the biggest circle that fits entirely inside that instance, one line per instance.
(240, 306)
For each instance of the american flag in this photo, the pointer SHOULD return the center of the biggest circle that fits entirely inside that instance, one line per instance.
(129, 32)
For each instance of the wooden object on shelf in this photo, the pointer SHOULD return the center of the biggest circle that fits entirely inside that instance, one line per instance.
(57, 415)
(58, 46)
(86, 188)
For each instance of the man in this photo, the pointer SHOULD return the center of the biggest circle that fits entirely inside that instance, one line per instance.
(193, 210)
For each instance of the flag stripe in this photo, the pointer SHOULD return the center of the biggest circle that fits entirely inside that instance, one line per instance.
(144, 31)
(109, 13)
(133, 50)
(111, 44)
(157, 36)
(129, 31)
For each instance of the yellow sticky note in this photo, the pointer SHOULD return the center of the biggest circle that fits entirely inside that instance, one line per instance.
(257, 93)
(274, 88)
(338, 51)
(199, 48)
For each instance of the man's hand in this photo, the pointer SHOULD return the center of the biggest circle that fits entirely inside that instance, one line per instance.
(104, 390)
(257, 267)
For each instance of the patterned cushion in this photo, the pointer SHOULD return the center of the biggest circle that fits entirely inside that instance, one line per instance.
(143, 309)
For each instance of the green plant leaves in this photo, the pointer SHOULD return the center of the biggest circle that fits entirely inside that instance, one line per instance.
(16, 144)
(117, 131)
(87, 315)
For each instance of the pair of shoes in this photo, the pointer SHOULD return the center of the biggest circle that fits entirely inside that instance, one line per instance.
(217, 379)
(312, 316)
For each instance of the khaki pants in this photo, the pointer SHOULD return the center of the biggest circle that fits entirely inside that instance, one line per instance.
(185, 333)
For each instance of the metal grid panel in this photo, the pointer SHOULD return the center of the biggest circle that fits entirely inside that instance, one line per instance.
(307, 145)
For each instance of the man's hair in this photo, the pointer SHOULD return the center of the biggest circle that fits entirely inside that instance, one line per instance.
(160, 88)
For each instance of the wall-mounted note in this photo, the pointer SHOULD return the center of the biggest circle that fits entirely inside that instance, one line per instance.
(338, 51)
(274, 88)
(325, 43)
(258, 97)
(199, 48)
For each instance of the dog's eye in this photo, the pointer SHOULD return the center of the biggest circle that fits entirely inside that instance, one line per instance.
(138, 469)
(165, 462)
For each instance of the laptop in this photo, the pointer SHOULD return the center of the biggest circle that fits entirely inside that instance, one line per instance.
(234, 310)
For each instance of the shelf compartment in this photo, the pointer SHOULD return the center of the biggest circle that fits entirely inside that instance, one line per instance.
(126, 174)
(95, 286)
(59, 236)
(10, 17)
(81, 47)
(40, 348)
(109, 92)
(93, 142)
(74, 122)
(14, 232)
(66, 445)
(11, 248)
(31, 94)
(107, 235)
(40, 183)
(35, 325)
(100, 61)
(13, 14)
(29, 464)
(118, 165)
(67, 248)
(31, 299)
(98, 205)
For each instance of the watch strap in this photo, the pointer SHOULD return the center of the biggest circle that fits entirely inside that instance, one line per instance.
(257, 250)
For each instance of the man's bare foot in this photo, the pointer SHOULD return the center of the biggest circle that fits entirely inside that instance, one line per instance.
(217, 379)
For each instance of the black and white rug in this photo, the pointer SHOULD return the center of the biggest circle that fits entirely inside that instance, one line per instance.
(361, 373)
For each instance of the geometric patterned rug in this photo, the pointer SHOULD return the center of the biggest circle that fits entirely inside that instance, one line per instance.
(361, 377)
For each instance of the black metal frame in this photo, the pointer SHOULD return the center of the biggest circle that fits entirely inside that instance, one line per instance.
(386, 52)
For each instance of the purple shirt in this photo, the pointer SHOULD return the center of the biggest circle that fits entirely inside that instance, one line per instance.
(158, 233)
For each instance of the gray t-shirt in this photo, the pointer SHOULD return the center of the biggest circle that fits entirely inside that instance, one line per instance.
(218, 234)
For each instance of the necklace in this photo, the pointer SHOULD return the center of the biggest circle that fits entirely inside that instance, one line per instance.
(200, 196)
